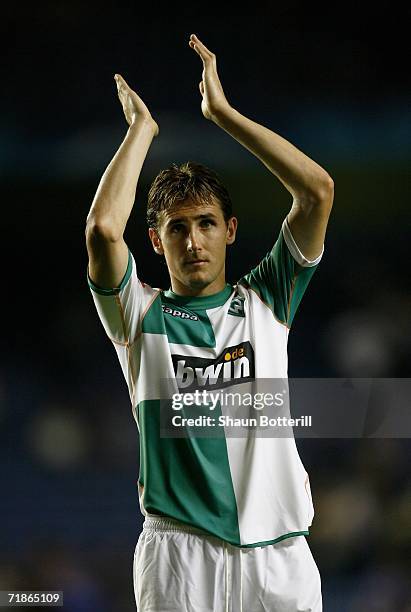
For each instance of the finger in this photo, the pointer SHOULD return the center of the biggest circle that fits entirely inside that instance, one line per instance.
(200, 47)
(198, 42)
(194, 46)
(120, 82)
(201, 86)
(205, 58)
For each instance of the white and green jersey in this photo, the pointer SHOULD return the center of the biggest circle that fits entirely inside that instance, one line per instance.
(249, 491)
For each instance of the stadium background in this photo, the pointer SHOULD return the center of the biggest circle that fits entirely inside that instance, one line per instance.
(332, 80)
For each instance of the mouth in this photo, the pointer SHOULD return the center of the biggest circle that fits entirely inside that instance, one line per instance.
(196, 262)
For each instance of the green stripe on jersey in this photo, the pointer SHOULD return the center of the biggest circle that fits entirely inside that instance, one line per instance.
(181, 325)
(183, 477)
(280, 281)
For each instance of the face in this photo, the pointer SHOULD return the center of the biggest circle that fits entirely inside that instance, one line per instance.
(193, 239)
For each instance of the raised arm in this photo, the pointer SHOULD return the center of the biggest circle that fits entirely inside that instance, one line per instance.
(310, 185)
(114, 199)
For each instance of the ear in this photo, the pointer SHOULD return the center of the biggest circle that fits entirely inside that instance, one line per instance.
(232, 224)
(155, 241)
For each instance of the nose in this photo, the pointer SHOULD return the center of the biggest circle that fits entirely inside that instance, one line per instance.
(193, 243)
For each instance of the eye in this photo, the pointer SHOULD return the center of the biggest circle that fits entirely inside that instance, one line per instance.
(206, 223)
(176, 228)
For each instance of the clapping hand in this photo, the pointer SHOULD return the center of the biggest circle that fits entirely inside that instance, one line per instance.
(214, 100)
(133, 106)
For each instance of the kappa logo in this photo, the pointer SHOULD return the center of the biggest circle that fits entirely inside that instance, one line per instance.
(232, 367)
(237, 307)
(179, 313)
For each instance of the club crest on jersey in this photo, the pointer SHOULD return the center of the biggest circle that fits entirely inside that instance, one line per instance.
(237, 307)
(233, 366)
(174, 312)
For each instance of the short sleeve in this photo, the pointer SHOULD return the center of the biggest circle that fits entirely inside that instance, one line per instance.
(120, 309)
(282, 276)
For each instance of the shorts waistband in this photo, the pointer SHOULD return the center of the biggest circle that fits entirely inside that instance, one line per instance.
(168, 524)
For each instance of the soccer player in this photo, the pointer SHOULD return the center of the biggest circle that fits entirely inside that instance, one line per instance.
(225, 517)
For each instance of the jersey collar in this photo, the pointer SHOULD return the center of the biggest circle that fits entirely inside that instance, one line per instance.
(203, 302)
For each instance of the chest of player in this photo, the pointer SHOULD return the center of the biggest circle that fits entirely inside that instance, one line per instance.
(217, 346)
(210, 328)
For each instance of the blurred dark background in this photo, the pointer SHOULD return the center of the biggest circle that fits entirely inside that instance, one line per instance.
(333, 80)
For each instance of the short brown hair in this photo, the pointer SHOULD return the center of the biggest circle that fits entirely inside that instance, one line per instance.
(189, 180)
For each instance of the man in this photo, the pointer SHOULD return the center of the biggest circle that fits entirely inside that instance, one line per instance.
(226, 517)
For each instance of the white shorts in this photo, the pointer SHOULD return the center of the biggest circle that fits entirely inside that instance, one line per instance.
(180, 569)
